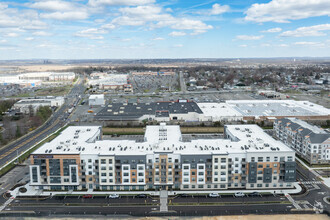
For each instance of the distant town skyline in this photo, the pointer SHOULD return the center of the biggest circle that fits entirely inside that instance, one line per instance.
(144, 29)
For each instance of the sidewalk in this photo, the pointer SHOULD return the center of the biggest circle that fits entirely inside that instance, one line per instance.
(325, 180)
(32, 192)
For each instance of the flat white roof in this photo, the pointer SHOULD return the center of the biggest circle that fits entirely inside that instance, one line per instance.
(97, 96)
(277, 108)
(83, 140)
(218, 109)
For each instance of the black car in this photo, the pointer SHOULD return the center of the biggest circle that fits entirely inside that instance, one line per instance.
(141, 196)
(184, 195)
(254, 194)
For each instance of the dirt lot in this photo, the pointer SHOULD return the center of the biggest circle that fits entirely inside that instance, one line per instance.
(55, 91)
(184, 130)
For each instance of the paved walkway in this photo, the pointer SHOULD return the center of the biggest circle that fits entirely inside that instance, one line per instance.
(3, 206)
(163, 201)
(292, 201)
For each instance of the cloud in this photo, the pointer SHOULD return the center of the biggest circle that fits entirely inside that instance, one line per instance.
(282, 11)
(272, 30)
(154, 17)
(243, 45)
(60, 10)
(311, 31)
(55, 5)
(178, 45)
(69, 15)
(92, 33)
(310, 44)
(29, 38)
(217, 9)
(96, 3)
(41, 33)
(249, 37)
(11, 35)
(23, 19)
(158, 38)
(177, 34)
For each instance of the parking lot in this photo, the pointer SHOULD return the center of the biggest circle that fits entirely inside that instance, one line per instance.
(133, 199)
(150, 83)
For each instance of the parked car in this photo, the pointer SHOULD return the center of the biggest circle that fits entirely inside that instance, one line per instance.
(239, 194)
(141, 196)
(87, 196)
(214, 195)
(184, 195)
(113, 196)
(254, 194)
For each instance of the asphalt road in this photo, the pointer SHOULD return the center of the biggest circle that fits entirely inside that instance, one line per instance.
(57, 120)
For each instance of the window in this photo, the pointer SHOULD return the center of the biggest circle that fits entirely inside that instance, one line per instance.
(89, 160)
(252, 159)
(223, 160)
(260, 159)
(103, 161)
(267, 159)
(275, 159)
(216, 160)
(275, 164)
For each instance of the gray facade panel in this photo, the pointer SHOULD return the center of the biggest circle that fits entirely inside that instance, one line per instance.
(267, 178)
(290, 171)
(252, 176)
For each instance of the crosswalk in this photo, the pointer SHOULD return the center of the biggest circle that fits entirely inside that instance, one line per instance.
(3, 206)
(311, 182)
(292, 201)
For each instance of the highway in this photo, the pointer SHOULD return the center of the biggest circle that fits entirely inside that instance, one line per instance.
(57, 120)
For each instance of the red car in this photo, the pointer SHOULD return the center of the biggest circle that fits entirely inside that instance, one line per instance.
(87, 196)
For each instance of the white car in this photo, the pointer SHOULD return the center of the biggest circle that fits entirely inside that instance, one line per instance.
(114, 196)
(214, 195)
(239, 194)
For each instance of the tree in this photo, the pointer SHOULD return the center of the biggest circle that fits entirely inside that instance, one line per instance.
(18, 132)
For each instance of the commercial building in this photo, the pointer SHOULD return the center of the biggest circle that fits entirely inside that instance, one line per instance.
(48, 76)
(96, 100)
(228, 111)
(310, 142)
(111, 82)
(25, 105)
(247, 158)
(160, 111)
(273, 109)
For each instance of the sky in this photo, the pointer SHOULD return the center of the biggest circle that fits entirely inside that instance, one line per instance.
(144, 29)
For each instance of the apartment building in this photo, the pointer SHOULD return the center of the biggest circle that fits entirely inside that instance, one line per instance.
(247, 158)
(310, 142)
